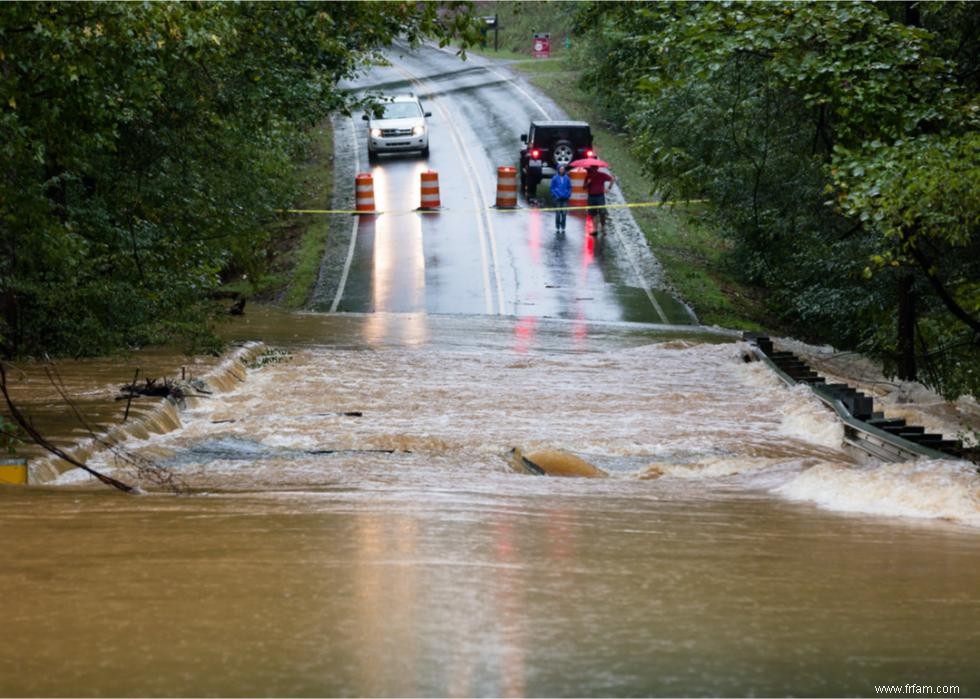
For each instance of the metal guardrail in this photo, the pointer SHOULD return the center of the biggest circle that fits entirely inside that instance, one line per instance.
(857, 433)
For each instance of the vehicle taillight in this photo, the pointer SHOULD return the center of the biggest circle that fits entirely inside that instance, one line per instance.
(590, 153)
(535, 154)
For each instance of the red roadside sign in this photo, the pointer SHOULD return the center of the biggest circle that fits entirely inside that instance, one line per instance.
(541, 47)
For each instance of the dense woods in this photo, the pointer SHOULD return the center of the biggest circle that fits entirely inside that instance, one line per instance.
(145, 147)
(838, 144)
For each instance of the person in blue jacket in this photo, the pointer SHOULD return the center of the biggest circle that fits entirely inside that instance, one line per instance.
(561, 190)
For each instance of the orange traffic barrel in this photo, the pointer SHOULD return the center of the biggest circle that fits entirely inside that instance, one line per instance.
(506, 187)
(579, 196)
(364, 184)
(430, 190)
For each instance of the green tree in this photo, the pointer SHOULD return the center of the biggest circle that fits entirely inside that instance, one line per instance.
(772, 109)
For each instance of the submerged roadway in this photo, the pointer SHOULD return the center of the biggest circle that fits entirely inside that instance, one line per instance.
(356, 527)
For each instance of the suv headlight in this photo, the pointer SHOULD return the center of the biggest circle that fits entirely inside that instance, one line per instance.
(376, 133)
(418, 130)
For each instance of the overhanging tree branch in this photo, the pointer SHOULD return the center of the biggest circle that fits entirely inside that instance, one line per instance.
(926, 265)
(38, 439)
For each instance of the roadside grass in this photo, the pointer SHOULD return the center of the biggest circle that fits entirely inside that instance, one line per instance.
(500, 55)
(691, 250)
(298, 241)
(542, 66)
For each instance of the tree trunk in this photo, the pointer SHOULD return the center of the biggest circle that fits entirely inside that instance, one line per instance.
(906, 329)
(10, 329)
(9, 312)
(913, 17)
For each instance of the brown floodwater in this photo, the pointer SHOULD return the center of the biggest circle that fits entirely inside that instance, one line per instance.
(351, 525)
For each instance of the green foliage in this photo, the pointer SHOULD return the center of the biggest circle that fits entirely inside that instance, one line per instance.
(771, 109)
(9, 436)
(147, 146)
(918, 193)
(312, 231)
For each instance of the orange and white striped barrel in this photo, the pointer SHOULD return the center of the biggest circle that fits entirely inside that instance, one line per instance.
(579, 196)
(430, 190)
(364, 185)
(506, 187)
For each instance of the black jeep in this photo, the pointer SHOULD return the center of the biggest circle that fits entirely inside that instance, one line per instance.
(548, 144)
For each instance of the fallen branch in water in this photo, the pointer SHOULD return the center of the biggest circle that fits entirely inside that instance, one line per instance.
(172, 389)
(145, 469)
(129, 400)
(168, 389)
(38, 439)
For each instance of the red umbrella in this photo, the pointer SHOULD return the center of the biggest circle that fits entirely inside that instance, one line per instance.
(589, 162)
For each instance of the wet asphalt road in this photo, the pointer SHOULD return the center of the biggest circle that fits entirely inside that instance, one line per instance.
(470, 257)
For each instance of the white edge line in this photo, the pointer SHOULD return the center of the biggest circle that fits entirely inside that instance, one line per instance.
(353, 232)
(639, 274)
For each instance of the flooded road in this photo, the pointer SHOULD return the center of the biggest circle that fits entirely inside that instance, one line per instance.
(352, 521)
(355, 528)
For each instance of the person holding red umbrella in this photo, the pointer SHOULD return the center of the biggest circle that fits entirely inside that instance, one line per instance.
(597, 183)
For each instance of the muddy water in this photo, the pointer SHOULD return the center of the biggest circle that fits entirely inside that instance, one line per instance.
(355, 528)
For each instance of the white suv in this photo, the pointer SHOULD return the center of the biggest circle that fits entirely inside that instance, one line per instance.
(401, 128)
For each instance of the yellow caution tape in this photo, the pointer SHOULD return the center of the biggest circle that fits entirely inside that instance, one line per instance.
(503, 210)
(612, 206)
